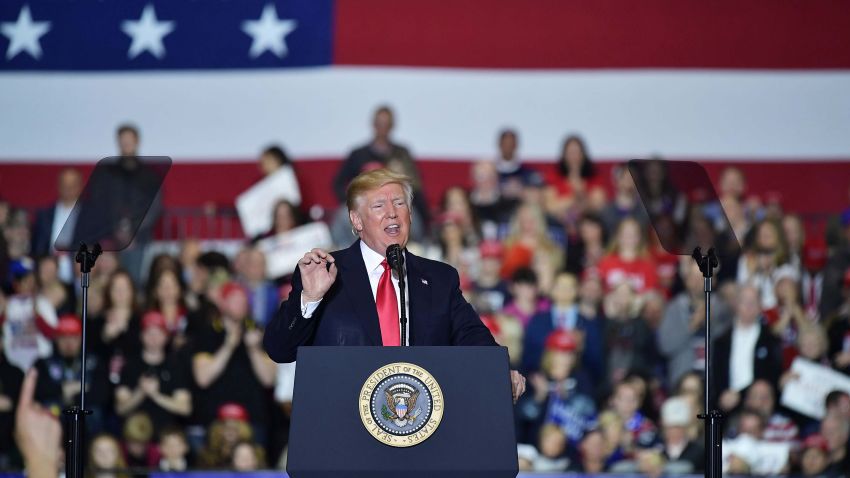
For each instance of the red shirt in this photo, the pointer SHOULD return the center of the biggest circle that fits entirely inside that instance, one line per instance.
(564, 188)
(640, 273)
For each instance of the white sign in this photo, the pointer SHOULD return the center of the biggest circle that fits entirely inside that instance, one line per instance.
(256, 205)
(806, 394)
(763, 458)
(284, 250)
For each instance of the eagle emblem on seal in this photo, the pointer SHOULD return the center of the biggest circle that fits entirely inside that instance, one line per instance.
(401, 405)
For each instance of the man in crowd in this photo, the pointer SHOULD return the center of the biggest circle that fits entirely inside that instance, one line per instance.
(229, 364)
(50, 220)
(836, 432)
(761, 397)
(513, 175)
(382, 151)
(677, 418)
(59, 375)
(154, 382)
(681, 337)
(745, 353)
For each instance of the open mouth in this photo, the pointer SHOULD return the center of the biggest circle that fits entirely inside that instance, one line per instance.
(393, 230)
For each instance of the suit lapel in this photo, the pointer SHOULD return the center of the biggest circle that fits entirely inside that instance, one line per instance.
(419, 291)
(355, 284)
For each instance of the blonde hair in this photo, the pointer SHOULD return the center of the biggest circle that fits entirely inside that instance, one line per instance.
(614, 245)
(120, 464)
(377, 178)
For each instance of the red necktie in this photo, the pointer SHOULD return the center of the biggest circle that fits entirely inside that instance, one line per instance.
(387, 303)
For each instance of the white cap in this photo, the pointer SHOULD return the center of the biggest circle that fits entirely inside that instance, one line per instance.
(676, 412)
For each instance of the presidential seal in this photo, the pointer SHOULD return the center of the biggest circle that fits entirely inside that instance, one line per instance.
(401, 404)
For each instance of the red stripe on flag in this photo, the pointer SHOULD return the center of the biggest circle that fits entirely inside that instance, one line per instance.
(594, 34)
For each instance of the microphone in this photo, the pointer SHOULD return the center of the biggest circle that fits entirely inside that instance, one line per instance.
(395, 257)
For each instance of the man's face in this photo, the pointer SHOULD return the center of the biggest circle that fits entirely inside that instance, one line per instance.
(128, 143)
(835, 432)
(70, 186)
(507, 145)
(382, 217)
(383, 124)
(760, 398)
(235, 306)
(154, 338)
(69, 345)
(749, 306)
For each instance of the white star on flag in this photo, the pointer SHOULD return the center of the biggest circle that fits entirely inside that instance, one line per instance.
(147, 33)
(24, 34)
(269, 32)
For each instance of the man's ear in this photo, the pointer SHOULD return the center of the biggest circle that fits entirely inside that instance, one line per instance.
(356, 221)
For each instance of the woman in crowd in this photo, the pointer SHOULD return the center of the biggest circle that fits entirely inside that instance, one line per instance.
(106, 459)
(456, 203)
(628, 261)
(456, 248)
(528, 235)
(115, 334)
(247, 456)
(225, 433)
(575, 186)
(166, 296)
(629, 342)
(765, 260)
(285, 217)
(586, 245)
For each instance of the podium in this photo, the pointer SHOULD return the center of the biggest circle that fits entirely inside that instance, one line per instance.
(402, 412)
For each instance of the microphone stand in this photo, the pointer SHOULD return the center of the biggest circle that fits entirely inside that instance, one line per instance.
(402, 301)
(713, 443)
(74, 415)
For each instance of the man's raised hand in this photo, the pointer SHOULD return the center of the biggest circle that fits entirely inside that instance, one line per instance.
(316, 276)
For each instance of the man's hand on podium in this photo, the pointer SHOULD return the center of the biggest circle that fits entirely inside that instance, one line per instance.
(517, 384)
(318, 273)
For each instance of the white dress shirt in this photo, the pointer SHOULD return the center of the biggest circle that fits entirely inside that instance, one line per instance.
(743, 355)
(374, 270)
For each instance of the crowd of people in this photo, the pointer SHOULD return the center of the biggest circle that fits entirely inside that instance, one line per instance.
(563, 267)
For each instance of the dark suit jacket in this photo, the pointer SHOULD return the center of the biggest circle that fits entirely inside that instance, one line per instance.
(42, 227)
(438, 313)
(767, 362)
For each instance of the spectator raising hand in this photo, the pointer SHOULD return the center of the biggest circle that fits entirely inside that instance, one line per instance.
(37, 433)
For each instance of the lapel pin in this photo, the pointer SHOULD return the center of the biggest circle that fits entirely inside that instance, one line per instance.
(424, 281)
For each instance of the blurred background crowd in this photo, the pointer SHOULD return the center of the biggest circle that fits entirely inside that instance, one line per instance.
(559, 260)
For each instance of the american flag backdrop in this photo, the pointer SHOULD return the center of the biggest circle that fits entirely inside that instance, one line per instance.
(763, 83)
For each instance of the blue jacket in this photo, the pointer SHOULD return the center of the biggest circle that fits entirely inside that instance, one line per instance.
(438, 313)
(542, 324)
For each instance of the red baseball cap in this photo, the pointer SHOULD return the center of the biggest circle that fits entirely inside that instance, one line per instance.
(232, 411)
(491, 249)
(230, 287)
(154, 318)
(816, 441)
(814, 254)
(69, 325)
(561, 341)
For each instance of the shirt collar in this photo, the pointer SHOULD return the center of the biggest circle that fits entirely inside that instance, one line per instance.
(371, 258)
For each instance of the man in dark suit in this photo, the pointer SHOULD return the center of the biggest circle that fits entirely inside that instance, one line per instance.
(746, 353)
(349, 297)
(50, 220)
(382, 151)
